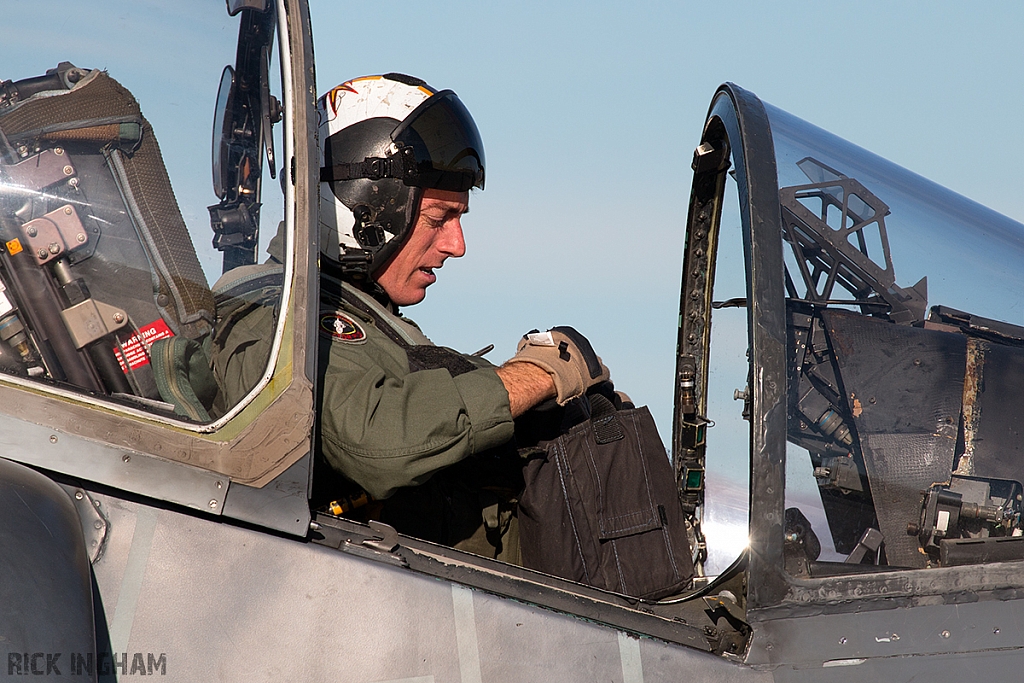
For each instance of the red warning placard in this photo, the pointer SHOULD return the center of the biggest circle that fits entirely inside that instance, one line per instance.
(136, 348)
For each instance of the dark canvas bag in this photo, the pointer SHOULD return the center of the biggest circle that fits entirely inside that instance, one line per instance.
(600, 507)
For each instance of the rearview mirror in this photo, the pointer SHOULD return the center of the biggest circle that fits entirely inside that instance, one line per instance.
(221, 118)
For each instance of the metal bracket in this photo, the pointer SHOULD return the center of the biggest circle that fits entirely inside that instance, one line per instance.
(710, 156)
(235, 224)
(388, 540)
(94, 524)
(33, 173)
(49, 236)
(726, 602)
(376, 543)
(836, 228)
(869, 542)
(92, 320)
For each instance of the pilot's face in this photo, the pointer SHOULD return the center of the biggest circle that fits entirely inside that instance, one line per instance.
(436, 236)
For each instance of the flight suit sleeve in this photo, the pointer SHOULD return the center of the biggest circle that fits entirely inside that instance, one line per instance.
(384, 427)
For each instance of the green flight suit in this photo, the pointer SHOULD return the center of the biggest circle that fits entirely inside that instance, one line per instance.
(434, 444)
(386, 427)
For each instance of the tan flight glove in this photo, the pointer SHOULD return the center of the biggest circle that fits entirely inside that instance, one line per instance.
(567, 356)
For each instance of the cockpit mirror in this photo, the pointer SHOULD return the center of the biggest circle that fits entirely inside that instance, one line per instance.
(243, 124)
(222, 117)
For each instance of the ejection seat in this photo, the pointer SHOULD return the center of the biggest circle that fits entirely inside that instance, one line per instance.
(100, 285)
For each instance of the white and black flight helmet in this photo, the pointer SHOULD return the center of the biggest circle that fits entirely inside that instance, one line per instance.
(383, 139)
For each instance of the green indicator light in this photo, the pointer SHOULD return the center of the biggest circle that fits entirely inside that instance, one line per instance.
(694, 480)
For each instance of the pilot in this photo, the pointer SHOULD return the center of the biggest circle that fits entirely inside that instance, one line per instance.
(425, 431)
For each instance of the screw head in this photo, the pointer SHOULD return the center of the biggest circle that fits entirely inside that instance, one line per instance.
(67, 210)
(68, 170)
(80, 237)
(119, 318)
(73, 182)
(944, 634)
(79, 495)
(126, 458)
(213, 505)
(59, 151)
(31, 232)
(53, 438)
(42, 253)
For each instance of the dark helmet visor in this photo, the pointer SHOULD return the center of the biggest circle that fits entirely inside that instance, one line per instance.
(446, 144)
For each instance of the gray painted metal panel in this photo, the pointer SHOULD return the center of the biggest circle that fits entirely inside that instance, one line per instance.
(118, 467)
(987, 666)
(878, 641)
(900, 631)
(283, 504)
(228, 603)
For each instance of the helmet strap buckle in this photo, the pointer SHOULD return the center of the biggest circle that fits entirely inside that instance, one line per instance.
(355, 263)
(401, 164)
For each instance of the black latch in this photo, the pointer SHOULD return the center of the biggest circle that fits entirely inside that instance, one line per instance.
(234, 225)
(710, 156)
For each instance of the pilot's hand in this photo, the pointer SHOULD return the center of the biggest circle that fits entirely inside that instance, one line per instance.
(623, 401)
(567, 356)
